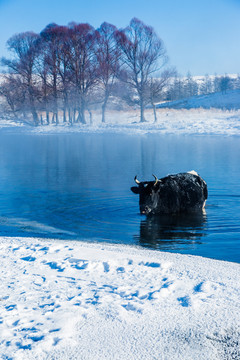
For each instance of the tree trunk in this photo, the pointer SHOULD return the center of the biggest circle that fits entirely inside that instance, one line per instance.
(64, 115)
(142, 108)
(69, 116)
(79, 116)
(90, 115)
(154, 112)
(34, 115)
(47, 117)
(32, 106)
(65, 105)
(82, 117)
(74, 115)
(56, 117)
(35, 118)
(82, 112)
(104, 106)
(55, 96)
(103, 112)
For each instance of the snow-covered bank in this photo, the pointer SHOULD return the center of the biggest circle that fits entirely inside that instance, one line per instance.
(227, 100)
(170, 121)
(75, 300)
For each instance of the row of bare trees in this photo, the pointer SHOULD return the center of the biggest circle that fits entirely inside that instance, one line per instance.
(64, 71)
(185, 87)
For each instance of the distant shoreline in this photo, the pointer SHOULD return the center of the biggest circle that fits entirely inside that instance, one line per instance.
(170, 122)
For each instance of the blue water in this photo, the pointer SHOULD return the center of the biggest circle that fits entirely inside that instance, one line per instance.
(77, 186)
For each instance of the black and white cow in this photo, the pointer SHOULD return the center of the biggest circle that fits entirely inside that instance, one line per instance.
(173, 194)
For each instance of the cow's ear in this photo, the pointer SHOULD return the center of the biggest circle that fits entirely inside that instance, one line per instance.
(135, 189)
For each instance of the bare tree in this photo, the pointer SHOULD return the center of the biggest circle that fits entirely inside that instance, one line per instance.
(14, 93)
(176, 89)
(191, 86)
(108, 61)
(65, 75)
(156, 87)
(143, 55)
(51, 37)
(42, 70)
(75, 68)
(225, 84)
(83, 64)
(24, 50)
(207, 86)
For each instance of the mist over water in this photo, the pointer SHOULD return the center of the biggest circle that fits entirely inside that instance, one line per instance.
(77, 186)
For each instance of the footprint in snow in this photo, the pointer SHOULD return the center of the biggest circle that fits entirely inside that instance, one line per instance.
(10, 307)
(150, 264)
(54, 266)
(185, 301)
(28, 258)
(198, 288)
(106, 267)
(131, 307)
(78, 263)
(120, 269)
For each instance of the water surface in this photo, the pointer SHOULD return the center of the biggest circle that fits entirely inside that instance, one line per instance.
(77, 186)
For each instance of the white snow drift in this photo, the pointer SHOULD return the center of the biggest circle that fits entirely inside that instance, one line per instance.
(74, 300)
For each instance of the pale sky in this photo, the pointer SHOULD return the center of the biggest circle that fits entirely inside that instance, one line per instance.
(201, 36)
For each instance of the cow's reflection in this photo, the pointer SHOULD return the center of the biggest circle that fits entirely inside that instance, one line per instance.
(171, 231)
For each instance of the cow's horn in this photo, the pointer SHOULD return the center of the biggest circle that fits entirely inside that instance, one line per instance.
(156, 180)
(136, 180)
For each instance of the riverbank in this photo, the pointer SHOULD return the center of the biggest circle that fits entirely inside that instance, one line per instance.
(76, 300)
(169, 121)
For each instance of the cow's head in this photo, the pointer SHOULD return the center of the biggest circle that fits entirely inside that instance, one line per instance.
(148, 195)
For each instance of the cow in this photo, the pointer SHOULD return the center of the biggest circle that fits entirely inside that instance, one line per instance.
(174, 194)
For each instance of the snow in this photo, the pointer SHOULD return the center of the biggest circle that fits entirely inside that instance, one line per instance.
(4, 123)
(170, 121)
(213, 114)
(193, 172)
(228, 100)
(79, 300)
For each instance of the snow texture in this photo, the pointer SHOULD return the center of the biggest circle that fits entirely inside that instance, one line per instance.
(170, 121)
(75, 300)
(226, 100)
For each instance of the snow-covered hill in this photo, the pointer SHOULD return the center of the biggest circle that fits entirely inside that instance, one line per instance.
(229, 101)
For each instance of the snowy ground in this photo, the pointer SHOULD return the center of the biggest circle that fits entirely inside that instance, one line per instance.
(228, 100)
(170, 121)
(74, 300)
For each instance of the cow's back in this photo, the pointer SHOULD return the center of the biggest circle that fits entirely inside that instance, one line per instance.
(184, 192)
